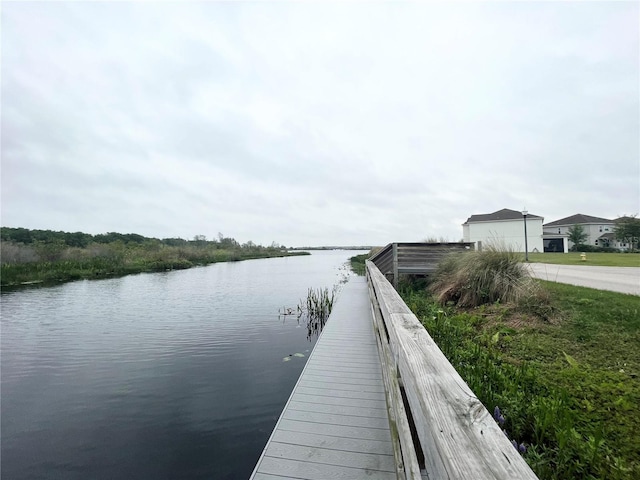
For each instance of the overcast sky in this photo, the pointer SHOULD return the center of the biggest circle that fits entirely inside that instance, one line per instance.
(316, 123)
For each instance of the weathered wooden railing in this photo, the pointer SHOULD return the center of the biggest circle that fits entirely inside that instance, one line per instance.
(414, 258)
(455, 433)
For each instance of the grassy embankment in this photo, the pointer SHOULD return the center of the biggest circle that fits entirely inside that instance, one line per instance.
(54, 261)
(561, 362)
(357, 263)
(592, 258)
(571, 258)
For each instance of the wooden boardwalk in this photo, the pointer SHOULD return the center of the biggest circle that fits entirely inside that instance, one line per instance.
(335, 424)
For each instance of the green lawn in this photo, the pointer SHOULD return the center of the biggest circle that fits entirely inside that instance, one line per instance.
(568, 384)
(602, 259)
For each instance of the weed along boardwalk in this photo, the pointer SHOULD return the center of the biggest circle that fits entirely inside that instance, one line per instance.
(374, 371)
(335, 424)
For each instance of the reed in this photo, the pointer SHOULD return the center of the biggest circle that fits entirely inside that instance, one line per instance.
(317, 308)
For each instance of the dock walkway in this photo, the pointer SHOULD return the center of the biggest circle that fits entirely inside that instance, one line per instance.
(335, 424)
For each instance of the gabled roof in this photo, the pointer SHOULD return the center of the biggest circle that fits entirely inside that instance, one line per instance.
(576, 219)
(610, 236)
(504, 214)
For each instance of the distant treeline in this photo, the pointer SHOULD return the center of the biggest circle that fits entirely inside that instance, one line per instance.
(81, 240)
(34, 256)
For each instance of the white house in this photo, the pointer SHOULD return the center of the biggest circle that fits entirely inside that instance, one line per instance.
(505, 228)
(600, 231)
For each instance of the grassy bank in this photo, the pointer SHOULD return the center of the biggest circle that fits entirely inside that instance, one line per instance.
(105, 267)
(357, 263)
(56, 258)
(593, 258)
(567, 382)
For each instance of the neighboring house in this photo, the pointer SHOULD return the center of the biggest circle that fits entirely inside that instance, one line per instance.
(600, 231)
(504, 228)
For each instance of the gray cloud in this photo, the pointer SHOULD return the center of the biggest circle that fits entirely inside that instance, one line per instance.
(316, 123)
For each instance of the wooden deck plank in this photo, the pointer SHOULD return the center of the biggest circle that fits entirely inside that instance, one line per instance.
(338, 365)
(317, 471)
(354, 411)
(267, 476)
(334, 419)
(336, 443)
(348, 349)
(338, 458)
(332, 360)
(343, 379)
(330, 392)
(335, 424)
(367, 362)
(342, 342)
(341, 401)
(362, 374)
(356, 360)
(345, 431)
(318, 384)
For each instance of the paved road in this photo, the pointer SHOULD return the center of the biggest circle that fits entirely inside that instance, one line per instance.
(617, 279)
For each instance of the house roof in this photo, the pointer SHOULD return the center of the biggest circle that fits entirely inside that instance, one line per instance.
(504, 214)
(576, 219)
(610, 236)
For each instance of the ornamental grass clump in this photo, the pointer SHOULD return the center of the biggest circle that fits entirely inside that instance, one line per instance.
(488, 276)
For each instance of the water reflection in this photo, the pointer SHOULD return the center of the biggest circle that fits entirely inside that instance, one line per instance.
(314, 327)
(314, 324)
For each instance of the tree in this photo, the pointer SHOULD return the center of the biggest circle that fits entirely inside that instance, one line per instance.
(628, 230)
(577, 235)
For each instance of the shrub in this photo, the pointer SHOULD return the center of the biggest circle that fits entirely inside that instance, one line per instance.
(14, 253)
(593, 248)
(488, 276)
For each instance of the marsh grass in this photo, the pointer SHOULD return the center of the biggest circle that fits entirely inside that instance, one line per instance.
(480, 277)
(26, 264)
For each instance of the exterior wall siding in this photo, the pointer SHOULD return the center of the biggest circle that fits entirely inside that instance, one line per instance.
(593, 231)
(465, 233)
(507, 233)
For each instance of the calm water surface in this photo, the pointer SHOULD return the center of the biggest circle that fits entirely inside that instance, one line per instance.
(154, 376)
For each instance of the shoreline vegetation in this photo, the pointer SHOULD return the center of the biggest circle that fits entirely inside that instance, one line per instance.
(357, 263)
(46, 257)
(559, 365)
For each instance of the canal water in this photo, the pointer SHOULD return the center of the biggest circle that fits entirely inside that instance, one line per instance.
(169, 375)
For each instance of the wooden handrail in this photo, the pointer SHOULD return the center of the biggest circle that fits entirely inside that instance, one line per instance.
(407, 466)
(458, 436)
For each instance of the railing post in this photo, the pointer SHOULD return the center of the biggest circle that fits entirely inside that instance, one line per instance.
(395, 266)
